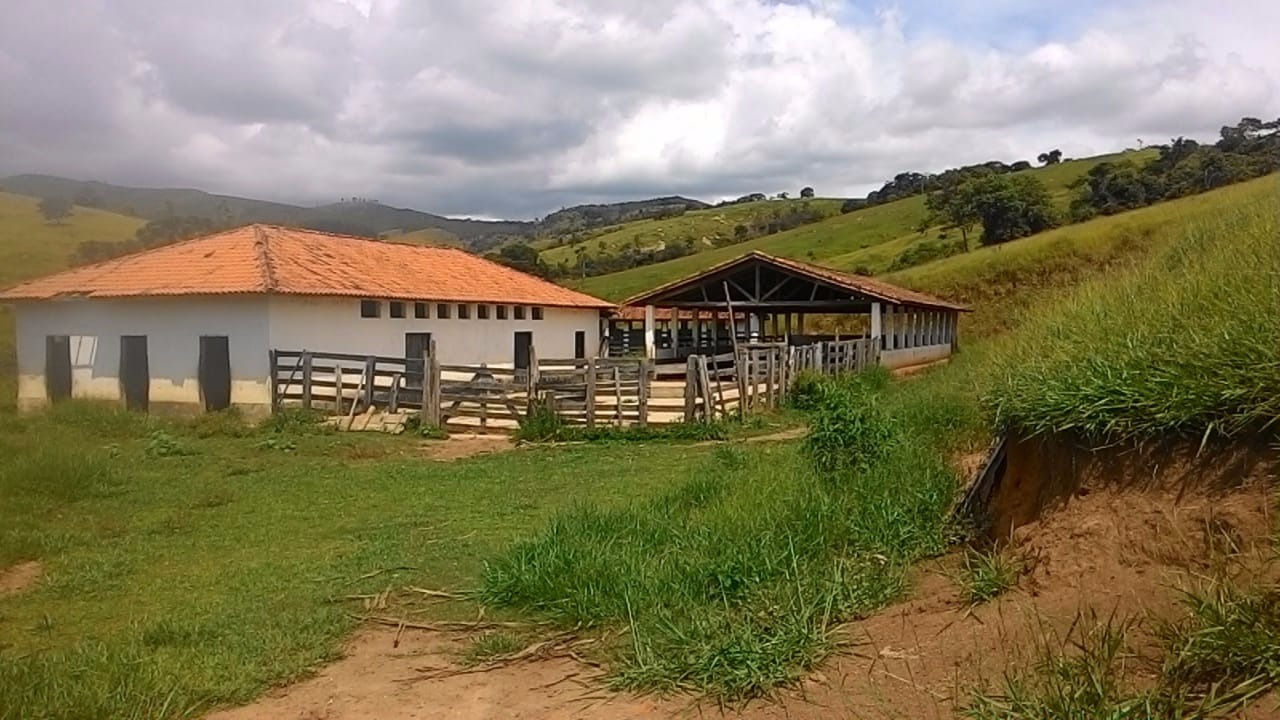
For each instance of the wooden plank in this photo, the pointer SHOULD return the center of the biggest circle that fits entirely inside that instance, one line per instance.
(708, 409)
(393, 398)
(770, 379)
(617, 394)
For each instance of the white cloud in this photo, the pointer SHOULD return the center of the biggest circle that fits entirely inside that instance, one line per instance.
(514, 107)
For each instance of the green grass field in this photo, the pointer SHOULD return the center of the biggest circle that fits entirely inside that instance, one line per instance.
(185, 566)
(702, 226)
(31, 247)
(867, 239)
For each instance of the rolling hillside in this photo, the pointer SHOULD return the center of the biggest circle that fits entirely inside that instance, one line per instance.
(867, 240)
(30, 247)
(704, 227)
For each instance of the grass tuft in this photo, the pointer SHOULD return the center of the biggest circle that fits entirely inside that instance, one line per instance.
(988, 575)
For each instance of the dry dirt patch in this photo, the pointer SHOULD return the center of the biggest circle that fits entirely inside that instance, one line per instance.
(16, 578)
(465, 446)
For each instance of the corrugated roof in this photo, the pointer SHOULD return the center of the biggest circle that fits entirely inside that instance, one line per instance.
(269, 259)
(870, 287)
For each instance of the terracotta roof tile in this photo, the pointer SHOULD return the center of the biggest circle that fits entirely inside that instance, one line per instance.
(268, 259)
(871, 287)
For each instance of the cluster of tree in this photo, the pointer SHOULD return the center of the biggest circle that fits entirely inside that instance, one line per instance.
(1007, 207)
(1184, 167)
(521, 256)
(806, 193)
(55, 209)
(587, 217)
(1053, 157)
(156, 233)
(907, 184)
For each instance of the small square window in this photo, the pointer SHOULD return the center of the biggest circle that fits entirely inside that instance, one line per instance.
(370, 309)
(519, 312)
(464, 311)
(537, 313)
(420, 311)
(397, 309)
(502, 312)
(442, 311)
(482, 312)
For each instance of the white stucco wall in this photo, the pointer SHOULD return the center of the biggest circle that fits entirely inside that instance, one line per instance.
(173, 327)
(255, 325)
(335, 325)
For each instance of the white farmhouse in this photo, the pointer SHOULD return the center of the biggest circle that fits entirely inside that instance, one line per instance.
(192, 325)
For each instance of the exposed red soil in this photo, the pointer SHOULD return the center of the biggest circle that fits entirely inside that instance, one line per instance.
(1108, 545)
(464, 446)
(16, 578)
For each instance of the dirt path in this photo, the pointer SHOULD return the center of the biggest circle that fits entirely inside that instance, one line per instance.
(1109, 551)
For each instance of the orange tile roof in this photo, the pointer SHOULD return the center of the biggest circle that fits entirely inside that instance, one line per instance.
(870, 287)
(268, 259)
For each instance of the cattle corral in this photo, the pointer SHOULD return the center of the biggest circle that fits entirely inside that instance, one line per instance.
(582, 391)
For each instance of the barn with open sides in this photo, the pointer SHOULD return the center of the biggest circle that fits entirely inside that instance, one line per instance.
(765, 298)
(198, 324)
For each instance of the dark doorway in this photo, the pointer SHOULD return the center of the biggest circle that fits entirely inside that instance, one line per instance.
(57, 367)
(135, 372)
(215, 371)
(524, 342)
(416, 345)
(580, 344)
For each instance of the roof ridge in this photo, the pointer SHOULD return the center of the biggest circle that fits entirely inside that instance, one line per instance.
(262, 245)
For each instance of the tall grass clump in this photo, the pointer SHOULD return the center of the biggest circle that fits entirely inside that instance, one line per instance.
(1189, 343)
(731, 582)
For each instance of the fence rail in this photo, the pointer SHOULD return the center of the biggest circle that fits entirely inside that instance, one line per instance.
(583, 391)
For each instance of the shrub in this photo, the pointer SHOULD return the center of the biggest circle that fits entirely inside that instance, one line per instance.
(847, 431)
(296, 421)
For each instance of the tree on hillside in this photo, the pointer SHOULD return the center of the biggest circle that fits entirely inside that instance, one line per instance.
(783, 195)
(1053, 157)
(806, 192)
(55, 209)
(1010, 206)
(521, 256)
(954, 206)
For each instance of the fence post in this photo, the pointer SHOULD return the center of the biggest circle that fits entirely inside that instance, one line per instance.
(771, 370)
(740, 374)
(591, 392)
(275, 382)
(437, 409)
(306, 379)
(337, 386)
(690, 387)
(393, 399)
(369, 365)
(645, 366)
(533, 373)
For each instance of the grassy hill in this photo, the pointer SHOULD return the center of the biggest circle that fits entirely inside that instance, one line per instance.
(30, 247)
(868, 240)
(703, 226)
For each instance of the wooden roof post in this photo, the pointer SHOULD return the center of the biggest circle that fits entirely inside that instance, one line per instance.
(876, 329)
(650, 349)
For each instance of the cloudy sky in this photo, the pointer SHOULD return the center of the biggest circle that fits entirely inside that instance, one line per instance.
(512, 108)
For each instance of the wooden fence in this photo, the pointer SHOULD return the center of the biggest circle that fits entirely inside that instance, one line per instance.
(583, 391)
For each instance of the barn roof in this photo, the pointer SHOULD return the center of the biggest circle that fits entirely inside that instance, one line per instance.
(870, 288)
(269, 259)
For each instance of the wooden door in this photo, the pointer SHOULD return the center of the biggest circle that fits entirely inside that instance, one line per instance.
(580, 344)
(135, 372)
(57, 367)
(215, 372)
(416, 344)
(524, 341)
